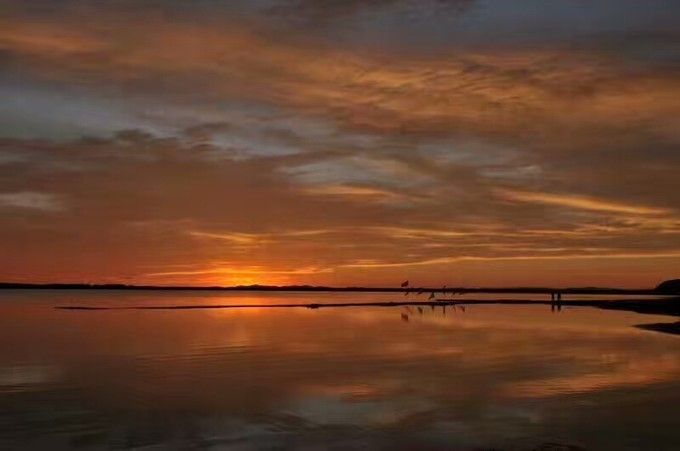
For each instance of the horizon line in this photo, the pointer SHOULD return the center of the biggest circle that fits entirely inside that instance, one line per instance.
(322, 288)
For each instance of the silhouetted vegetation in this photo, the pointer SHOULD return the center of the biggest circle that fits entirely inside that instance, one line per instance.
(669, 287)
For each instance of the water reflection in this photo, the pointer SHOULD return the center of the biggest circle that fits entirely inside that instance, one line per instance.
(510, 377)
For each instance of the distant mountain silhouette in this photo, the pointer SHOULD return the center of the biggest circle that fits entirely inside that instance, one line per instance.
(669, 286)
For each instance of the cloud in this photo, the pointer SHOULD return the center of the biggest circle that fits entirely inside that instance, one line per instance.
(240, 270)
(255, 239)
(488, 92)
(361, 194)
(42, 39)
(240, 136)
(447, 260)
(30, 200)
(580, 203)
(171, 193)
(319, 13)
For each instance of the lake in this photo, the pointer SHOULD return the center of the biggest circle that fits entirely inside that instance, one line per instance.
(490, 376)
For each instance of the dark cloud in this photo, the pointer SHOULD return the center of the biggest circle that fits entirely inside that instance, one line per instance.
(325, 12)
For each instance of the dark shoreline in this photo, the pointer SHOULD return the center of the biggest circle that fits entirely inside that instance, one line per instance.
(311, 288)
(670, 306)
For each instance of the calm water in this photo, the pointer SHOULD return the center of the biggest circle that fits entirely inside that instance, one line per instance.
(510, 377)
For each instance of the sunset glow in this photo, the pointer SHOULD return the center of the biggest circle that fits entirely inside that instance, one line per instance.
(339, 143)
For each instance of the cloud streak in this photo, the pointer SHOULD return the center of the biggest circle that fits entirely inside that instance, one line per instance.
(30, 200)
(580, 203)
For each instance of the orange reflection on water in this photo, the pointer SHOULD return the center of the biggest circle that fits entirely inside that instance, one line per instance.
(340, 367)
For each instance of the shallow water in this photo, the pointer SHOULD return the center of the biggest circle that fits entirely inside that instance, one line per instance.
(508, 377)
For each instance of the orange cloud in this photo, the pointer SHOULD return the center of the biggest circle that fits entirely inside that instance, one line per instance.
(580, 203)
(48, 40)
(361, 194)
(467, 92)
(392, 115)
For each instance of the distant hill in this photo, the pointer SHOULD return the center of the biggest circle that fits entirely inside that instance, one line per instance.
(669, 286)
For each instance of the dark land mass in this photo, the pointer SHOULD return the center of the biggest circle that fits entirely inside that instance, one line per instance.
(669, 286)
(667, 328)
(664, 306)
(667, 306)
(665, 290)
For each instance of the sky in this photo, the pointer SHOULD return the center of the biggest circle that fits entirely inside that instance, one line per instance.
(340, 142)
